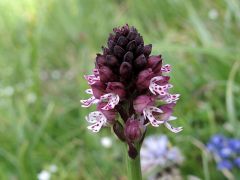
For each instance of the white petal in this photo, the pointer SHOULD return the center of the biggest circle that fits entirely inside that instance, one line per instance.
(113, 100)
(172, 98)
(98, 119)
(157, 78)
(173, 129)
(89, 102)
(158, 89)
(95, 127)
(172, 118)
(95, 116)
(166, 68)
(89, 91)
(96, 72)
(147, 112)
(92, 79)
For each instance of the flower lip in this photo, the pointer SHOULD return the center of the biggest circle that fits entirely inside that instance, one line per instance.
(161, 89)
(89, 102)
(111, 99)
(97, 119)
(166, 68)
(150, 113)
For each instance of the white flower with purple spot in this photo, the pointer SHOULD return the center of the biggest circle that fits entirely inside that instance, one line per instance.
(97, 119)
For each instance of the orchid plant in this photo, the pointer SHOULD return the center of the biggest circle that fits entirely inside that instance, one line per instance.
(129, 82)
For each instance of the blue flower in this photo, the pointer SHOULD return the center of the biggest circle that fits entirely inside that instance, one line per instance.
(211, 147)
(225, 164)
(234, 144)
(218, 140)
(237, 162)
(225, 152)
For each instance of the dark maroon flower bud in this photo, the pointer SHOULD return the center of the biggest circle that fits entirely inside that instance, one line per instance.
(106, 50)
(134, 130)
(98, 89)
(131, 45)
(155, 62)
(111, 44)
(111, 60)
(147, 50)
(118, 129)
(141, 102)
(109, 114)
(128, 57)
(139, 39)
(116, 88)
(140, 62)
(126, 70)
(118, 51)
(124, 30)
(143, 79)
(117, 35)
(140, 50)
(100, 60)
(132, 35)
(111, 37)
(106, 74)
(122, 41)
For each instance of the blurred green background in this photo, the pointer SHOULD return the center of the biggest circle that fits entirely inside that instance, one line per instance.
(47, 46)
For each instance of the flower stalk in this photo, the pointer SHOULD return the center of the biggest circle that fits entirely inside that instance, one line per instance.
(134, 165)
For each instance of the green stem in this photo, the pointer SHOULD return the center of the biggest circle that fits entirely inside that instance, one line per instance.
(134, 166)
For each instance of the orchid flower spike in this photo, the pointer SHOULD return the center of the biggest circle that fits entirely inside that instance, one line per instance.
(129, 82)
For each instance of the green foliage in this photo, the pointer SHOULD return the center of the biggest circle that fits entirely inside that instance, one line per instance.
(46, 47)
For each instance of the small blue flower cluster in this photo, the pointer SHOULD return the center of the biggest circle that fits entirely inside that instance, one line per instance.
(226, 150)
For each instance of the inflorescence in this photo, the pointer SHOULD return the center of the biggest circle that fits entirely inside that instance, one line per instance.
(128, 81)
